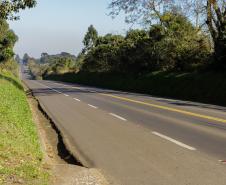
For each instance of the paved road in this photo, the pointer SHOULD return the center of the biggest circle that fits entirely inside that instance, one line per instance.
(138, 139)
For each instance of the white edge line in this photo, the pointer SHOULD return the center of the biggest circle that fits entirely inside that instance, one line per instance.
(117, 116)
(76, 99)
(66, 95)
(92, 106)
(174, 141)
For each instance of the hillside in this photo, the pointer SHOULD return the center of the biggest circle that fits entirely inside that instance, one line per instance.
(20, 153)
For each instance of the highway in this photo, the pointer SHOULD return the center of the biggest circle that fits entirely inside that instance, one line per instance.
(137, 139)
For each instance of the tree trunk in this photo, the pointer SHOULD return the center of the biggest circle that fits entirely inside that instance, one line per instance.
(216, 21)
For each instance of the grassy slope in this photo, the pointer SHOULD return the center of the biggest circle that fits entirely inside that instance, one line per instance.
(208, 87)
(20, 154)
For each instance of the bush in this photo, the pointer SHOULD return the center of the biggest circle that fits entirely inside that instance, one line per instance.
(173, 45)
(7, 41)
(206, 87)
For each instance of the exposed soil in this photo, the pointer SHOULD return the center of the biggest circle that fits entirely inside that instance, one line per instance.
(64, 168)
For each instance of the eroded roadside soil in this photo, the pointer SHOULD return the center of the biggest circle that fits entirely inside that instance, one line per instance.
(64, 168)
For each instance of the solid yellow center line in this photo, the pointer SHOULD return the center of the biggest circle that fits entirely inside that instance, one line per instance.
(168, 108)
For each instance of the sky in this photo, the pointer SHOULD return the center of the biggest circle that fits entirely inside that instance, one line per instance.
(56, 26)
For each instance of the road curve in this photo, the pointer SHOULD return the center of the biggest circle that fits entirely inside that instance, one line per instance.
(136, 139)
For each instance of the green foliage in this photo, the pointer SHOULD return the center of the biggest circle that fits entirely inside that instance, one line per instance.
(62, 65)
(17, 59)
(103, 57)
(49, 64)
(109, 39)
(26, 58)
(206, 87)
(204, 13)
(173, 44)
(44, 58)
(20, 153)
(79, 61)
(35, 69)
(7, 41)
(9, 7)
(90, 38)
(11, 66)
(179, 45)
(135, 53)
(136, 35)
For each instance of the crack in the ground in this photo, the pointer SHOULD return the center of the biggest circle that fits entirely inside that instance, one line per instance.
(62, 150)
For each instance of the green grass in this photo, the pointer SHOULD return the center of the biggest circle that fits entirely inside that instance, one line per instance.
(20, 153)
(206, 87)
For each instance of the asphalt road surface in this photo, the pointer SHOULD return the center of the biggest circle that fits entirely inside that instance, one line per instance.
(137, 139)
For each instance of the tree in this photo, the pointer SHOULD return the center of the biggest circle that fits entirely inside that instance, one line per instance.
(216, 21)
(134, 53)
(103, 56)
(172, 44)
(212, 12)
(109, 39)
(90, 38)
(7, 41)
(26, 58)
(44, 58)
(142, 11)
(17, 58)
(44, 54)
(136, 35)
(63, 65)
(182, 46)
(9, 7)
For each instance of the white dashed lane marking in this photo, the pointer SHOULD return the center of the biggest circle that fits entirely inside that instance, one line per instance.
(92, 106)
(117, 116)
(174, 141)
(76, 99)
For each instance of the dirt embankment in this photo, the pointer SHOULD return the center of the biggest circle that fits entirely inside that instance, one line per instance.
(64, 168)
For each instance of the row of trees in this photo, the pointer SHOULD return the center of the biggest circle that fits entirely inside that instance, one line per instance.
(178, 35)
(184, 35)
(173, 44)
(50, 64)
(205, 14)
(8, 38)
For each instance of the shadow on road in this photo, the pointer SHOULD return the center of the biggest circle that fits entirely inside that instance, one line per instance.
(71, 90)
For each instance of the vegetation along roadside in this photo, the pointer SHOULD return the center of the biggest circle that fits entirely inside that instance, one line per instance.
(173, 54)
(20, 153)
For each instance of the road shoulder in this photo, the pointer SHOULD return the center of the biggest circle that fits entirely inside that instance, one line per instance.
(57, 161)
